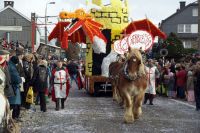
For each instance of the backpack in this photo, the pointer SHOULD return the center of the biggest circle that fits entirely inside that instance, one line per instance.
(42, 74)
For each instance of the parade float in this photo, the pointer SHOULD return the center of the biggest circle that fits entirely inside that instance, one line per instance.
(107, 33)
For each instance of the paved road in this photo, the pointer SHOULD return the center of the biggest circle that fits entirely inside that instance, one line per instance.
(86, 114)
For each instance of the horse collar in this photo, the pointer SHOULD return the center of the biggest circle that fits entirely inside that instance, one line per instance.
(126, 73)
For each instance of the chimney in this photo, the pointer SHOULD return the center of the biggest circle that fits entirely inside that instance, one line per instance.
(8, 3)
(182, 4)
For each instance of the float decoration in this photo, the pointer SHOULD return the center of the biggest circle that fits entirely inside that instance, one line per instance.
(145, 25)
(81, 21)
(58, 32)
(139, 34)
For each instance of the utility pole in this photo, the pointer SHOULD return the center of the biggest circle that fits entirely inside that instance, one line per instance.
(45, 29)
(33, 30)
(198, 24)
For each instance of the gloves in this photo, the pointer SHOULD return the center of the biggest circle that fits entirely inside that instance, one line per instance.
(23, 79)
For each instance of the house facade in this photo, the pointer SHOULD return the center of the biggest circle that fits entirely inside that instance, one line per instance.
(184, 23)
(16, 28)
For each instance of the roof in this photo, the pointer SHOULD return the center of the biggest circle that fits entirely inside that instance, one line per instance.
(179, 11)
(9, 7)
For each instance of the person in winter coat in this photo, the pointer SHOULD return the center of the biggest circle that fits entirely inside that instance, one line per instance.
(28, 70)
(190, 86)
(181, 82)
(73, 71)
(20, 69)
(39, 81)
(197, 85)
(15, 101)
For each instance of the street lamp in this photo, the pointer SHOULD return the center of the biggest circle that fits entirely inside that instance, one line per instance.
(46, 21)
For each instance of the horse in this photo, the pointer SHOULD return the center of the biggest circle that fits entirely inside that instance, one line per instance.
(113, 67)
(4, 111)
(7, 124)
(130, 80)
(113, 71)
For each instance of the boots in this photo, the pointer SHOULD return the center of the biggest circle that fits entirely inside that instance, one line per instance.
(62, 103)
(146, 97)
(151, 99)
(57, 104)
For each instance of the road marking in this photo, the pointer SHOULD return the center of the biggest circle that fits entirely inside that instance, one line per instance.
(187, 104)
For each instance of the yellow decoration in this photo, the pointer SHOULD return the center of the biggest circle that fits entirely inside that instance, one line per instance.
(97, 2)
(114, 17)
(79, 13)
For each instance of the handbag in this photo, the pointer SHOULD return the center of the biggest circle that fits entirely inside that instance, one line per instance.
(29, 96)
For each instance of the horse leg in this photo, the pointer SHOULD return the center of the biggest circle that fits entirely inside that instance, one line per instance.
(118, 97)
(137, 110)
(128, 116)
(114, 92)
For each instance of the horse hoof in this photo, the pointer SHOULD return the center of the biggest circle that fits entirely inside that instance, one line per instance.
(114, 99)
(129, 119)
(136, 116)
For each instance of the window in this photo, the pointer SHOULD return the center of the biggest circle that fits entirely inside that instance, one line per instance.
(180, 28)
(188, 28)
(194, 28)
(195, 12)
(187, 44)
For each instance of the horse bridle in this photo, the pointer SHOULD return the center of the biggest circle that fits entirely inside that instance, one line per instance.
(126, 73)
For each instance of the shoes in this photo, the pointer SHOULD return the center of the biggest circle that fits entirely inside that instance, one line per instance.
(150, 103)
(18, 120)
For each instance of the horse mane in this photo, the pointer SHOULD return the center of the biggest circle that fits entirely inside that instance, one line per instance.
(138, 55)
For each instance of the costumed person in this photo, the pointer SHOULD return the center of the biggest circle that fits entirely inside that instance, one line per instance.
(39, 81)
(81, 77)
(15, 101)
(61, 85)
(152, 73)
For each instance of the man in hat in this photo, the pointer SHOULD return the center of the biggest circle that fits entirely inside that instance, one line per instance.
(5, 86)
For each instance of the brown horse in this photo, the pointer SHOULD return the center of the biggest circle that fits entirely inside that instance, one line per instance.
(131, 82)
(114, 68)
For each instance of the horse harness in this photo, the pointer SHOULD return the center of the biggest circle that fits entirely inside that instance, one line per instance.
(124, 71)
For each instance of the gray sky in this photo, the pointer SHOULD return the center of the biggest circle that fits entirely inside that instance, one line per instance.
(155, 10)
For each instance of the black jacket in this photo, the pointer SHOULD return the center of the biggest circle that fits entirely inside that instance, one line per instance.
(38, 84)
(72, 68)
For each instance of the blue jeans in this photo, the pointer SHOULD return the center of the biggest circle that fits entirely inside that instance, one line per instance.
(74, 77)
(180, 92)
